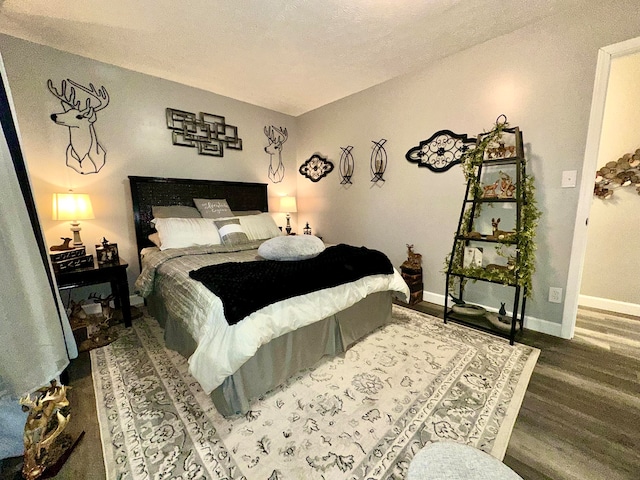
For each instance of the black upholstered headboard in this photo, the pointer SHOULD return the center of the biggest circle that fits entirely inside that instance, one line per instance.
(150, 191)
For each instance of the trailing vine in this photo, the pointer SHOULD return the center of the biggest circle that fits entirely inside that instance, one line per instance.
(523, 259)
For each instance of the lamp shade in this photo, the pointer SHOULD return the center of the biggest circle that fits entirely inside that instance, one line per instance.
(72, 206)
(288, 204)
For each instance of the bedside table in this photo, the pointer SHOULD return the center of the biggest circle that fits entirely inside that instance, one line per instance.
(115, 274)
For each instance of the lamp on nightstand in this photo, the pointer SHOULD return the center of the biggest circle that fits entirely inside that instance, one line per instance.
(72, 207)
(288, 206)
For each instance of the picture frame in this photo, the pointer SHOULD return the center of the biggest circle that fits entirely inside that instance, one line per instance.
(472, 257)
(107, 254)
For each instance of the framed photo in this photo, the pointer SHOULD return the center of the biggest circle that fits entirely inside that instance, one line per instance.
(472, 257)
(508, 145)
(107, 254)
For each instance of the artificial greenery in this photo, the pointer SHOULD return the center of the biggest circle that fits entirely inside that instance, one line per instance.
(524, 256)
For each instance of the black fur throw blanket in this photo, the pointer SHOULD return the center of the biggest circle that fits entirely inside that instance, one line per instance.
(245, 287)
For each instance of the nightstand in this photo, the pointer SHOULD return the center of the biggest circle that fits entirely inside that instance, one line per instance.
(115, 274)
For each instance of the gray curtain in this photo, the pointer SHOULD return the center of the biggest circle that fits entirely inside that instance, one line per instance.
(36, 339)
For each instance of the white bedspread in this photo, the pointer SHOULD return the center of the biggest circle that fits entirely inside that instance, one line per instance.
(222, 348)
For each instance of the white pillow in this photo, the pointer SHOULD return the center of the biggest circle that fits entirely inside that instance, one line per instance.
(259, 227)
(186, 232)
(291, 247)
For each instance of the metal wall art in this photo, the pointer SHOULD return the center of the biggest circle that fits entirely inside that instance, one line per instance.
(316, 167)
(378, 160)
(207, 132)
(276, 136)
(346, 165)
(441, 151)
(84, 153)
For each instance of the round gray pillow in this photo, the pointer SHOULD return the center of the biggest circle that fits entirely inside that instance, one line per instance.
(291, 247)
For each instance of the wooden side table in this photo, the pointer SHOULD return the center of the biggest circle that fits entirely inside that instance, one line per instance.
(115, 274)
(413, 277)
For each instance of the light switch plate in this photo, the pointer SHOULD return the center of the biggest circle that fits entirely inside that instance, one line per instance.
(569, 178)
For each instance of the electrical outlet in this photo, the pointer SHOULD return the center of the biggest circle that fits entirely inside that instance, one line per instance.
(555, 294)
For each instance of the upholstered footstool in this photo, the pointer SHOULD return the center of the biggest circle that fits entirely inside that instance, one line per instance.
(454, 461)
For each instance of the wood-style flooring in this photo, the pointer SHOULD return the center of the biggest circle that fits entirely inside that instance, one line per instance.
(580, 418)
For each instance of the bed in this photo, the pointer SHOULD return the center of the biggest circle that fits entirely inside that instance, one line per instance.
(238, 363)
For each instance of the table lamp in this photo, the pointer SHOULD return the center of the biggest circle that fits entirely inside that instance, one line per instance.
(72, 207)
(288, 206)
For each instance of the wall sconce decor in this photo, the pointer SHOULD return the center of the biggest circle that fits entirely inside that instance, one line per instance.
(440, 151)
(346, 165)
(316, 167)
(207, 132)
(72, 207)
(288, 206)
(378, 160)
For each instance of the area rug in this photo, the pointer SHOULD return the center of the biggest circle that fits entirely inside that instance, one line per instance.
(363, 414)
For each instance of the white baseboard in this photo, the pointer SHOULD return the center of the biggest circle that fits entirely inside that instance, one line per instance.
(609, 305)
(531, 323)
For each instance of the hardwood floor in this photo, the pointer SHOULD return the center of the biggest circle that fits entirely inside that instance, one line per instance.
(580, 418)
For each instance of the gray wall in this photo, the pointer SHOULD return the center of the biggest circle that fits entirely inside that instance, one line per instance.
(541, 77)
(133, 130)
(611, 261)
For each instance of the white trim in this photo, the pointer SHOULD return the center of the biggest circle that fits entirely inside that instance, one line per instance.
(579, 245)
(609, 305)
(531, 323)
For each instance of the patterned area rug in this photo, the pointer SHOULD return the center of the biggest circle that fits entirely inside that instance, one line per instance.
(363, 414)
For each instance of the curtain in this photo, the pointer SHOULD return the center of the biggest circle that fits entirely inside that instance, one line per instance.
(36, 339)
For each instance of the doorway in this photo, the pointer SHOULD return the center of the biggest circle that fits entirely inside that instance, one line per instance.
(594, 138)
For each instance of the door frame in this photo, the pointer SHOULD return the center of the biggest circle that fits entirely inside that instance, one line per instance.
(589, 168)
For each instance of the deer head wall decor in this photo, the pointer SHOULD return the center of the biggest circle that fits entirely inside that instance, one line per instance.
(276, 136)
(84, 153)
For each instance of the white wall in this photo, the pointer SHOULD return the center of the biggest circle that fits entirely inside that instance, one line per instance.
(611, 259)
(133, 130)
(541, 77)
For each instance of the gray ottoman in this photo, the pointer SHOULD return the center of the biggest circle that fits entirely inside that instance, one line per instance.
(454, 461)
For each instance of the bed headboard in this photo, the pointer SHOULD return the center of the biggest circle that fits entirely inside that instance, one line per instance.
(149, 191)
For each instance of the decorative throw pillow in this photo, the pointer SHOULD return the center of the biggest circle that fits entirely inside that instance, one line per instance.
(186, 232)
(231, 232)
(291, 247)
(213, 208)
(175, 211)
(259, 227)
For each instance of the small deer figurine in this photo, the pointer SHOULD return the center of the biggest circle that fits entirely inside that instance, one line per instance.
(63, 246)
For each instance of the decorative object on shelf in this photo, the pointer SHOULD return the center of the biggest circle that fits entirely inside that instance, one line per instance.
(411, 272)
(46, 447)
(621, 173)
(346, 165)
(107, 253)
(503, 187)
(72, 206)
(499, 234)
(378, 161)
(84, 153)
(307, 229)
(316, 168)
(207, 132)
(440, 151)
(469, 309)
(276, 136)
(472, 257)
(288, 206)
(63, 246)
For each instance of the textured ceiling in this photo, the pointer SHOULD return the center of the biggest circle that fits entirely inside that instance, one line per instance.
(291, 56)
